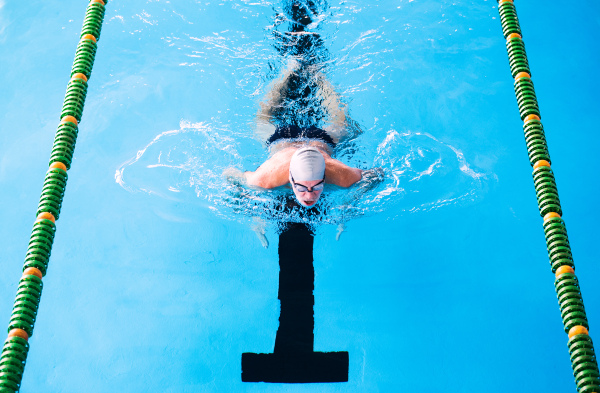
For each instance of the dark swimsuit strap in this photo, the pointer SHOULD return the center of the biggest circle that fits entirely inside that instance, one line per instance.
(295, 132)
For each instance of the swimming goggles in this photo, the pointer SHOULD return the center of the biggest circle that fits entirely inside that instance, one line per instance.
(302, 188)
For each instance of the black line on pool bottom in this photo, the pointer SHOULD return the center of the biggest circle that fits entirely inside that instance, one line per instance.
(293, 360)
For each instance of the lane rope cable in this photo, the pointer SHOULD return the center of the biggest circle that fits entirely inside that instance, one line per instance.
(581, 348)
(20, 329)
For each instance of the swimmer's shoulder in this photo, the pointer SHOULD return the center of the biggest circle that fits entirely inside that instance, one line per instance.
(272, 173)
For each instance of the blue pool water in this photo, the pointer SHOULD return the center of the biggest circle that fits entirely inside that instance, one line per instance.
(440, 280)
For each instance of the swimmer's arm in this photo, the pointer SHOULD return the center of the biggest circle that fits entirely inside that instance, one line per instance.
(272, 173)
(264, 179)
(371, 178)
(341, 174)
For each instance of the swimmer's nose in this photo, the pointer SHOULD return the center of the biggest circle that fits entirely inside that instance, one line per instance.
(313, 196)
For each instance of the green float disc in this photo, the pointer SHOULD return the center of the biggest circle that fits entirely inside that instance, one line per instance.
(558, 244)
(21, 321)
(24, 312)
(40, 256)
(572, 291)
(15, 351)
(53, 195)
(31, 297)
(65, 137)
(34, 258)
(7, 369)
(569, 295)
(63, 149)
(572, 302)
(588, 351)
(543, 174)
(584, 362)
(565, 279)
(547, 195)
(579, 341)
(8, 386)
(577, 318)
(550, 209)
(581, 352)
(540, 153)
(29, 288)
(561, 250)
(555, 224)
(41, 235)
(589, 363)
(590, 380)
(55, 182)
(40, 244)
(535, 140)
(533, 125)
(29, 301)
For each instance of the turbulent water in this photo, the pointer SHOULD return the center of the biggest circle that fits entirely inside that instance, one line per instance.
(186, 164)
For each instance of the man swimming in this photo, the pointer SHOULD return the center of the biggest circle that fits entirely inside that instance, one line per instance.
(300, 152)
(306, 165)
(301, 157)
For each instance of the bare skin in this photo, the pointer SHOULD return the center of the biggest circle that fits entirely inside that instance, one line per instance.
(275, 172)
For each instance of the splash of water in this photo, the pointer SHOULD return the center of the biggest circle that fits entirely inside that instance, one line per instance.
(187, 165)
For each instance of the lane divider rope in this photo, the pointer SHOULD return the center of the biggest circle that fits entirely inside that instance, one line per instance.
(581, 348)
(29, 292)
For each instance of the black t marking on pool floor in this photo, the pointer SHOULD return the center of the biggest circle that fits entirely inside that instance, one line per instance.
(293, 360)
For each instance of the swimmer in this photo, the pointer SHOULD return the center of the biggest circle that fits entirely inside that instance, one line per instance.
(301, 152)
(306, 166)
(301, 156)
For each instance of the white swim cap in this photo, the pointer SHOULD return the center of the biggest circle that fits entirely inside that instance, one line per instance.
(307, 164)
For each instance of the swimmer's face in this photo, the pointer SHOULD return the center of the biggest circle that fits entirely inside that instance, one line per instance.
(307, 192)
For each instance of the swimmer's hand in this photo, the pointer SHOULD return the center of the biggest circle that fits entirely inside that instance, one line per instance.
(235, 190)
(259, 228)
(371, 178)
(234, 176)
(238, 193)
(340, 230)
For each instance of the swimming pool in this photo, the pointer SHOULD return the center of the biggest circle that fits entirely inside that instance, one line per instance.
(440, 280)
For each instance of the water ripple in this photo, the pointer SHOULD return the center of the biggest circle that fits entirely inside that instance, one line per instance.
(386, 73)
(187, 165)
